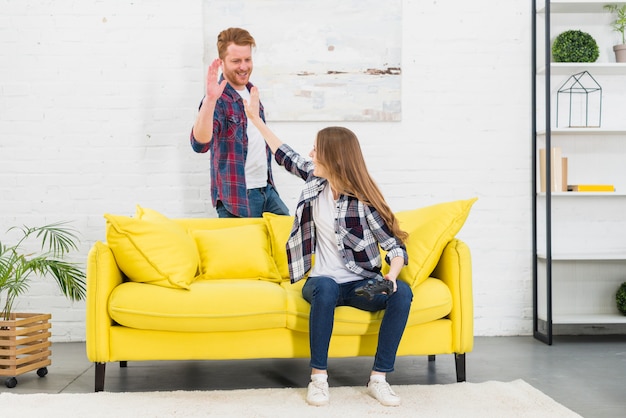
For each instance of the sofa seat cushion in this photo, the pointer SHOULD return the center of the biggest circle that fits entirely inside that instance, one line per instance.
(432, 300)
(209, 305)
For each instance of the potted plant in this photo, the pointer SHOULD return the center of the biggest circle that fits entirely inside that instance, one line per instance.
(619, 25)
(575, 46)
(24, 344)
(620, 298)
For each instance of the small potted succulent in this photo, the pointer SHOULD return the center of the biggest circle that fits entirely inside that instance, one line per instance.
(575, 46)
(24, 337)
(619, 25)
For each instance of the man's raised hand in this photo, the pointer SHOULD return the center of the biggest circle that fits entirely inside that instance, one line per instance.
(213, 88)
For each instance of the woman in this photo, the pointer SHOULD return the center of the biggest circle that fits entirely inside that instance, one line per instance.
(342, 217)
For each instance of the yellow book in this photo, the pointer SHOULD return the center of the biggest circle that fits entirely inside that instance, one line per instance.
(590, 188)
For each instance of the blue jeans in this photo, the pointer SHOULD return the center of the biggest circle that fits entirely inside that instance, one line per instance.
(324, 295)
(263, 199)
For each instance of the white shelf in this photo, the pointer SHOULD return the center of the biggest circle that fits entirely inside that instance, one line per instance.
(612, 255)
(579, 195)
(583, 131)
(594, 68)
(578, 319)
(576, 6)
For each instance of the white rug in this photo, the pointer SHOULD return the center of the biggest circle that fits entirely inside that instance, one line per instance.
(489, 399)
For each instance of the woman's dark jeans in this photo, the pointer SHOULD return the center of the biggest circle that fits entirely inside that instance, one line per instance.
(324, 295)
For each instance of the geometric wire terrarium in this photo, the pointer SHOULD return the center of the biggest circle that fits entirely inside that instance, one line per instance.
(584, 101)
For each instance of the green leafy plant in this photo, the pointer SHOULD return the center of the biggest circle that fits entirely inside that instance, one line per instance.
(620, 298)
(575, 46)
(18, 267)
(619, 24)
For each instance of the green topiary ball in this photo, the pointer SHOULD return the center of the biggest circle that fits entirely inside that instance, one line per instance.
(620, 298)
(575, 46)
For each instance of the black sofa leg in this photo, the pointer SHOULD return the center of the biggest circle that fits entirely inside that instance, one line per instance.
(100, 369)
(123, 363)
(431, 357)
(459, 359)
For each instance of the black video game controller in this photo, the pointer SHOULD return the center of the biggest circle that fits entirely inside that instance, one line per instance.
(380, 286)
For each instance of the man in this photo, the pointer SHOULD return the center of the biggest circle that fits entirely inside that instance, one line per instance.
(241, 171)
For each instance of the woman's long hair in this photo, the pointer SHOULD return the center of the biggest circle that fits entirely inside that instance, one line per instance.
(339, 153)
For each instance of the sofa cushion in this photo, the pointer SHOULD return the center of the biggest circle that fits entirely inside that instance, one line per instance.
(153, 249)
(209, 305)
(430, 229)
(279, 228)
(191, 224)
(432, 300)
(148, 214)
(242, 252)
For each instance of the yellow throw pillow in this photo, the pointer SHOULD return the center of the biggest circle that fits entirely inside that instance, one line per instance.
(150, 215)
(241, 252)
(430, 229)
(151, 248)
(279, 227)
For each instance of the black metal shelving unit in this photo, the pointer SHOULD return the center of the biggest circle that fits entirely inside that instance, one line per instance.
(542, 330)
(543, 259)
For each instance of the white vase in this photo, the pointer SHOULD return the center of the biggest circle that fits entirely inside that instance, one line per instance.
(620, 53)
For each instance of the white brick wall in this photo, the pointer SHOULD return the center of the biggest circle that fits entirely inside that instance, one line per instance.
(97, 100)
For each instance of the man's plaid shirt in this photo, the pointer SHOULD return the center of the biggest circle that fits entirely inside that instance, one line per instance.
(360, 229)
(229, 149)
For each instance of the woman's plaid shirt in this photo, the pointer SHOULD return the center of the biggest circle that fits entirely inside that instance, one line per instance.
(359, 227)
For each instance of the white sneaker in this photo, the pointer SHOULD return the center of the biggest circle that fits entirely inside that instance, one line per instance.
(317, 393)
(382, 392)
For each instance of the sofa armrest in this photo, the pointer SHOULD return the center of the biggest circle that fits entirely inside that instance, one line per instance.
(103, 276)
(455, 270)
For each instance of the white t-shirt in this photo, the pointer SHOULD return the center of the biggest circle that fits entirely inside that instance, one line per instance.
(256, 160)
(328, 261)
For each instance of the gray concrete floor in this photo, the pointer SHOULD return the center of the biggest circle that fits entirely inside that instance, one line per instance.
(586, 373)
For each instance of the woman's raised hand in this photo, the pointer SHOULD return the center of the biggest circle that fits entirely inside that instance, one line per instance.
(252, 107)
(252, 112)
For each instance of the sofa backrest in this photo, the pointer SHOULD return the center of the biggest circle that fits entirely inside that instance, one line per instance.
(150, 247)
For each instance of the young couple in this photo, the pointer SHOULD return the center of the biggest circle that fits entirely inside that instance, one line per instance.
(341, 215)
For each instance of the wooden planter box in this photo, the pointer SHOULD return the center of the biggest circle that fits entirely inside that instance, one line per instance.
(24, 345)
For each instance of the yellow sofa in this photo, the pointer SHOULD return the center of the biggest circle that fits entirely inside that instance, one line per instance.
(194, 289)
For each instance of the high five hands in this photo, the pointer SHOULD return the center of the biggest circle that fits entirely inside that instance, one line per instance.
(213, 88)
(252, 112)
(252, 108)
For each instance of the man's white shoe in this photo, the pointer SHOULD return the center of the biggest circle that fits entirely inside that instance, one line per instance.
(317, 393)
(382, 392)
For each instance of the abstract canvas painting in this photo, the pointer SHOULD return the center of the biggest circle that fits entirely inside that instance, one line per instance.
(322, 60)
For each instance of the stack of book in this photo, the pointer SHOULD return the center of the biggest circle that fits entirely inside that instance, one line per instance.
(558, 170)
(558, 175)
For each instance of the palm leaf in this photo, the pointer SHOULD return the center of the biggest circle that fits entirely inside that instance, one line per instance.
(16, 267)
(69, 277)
